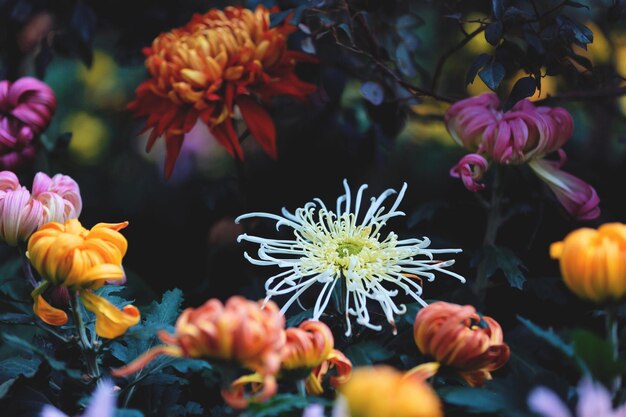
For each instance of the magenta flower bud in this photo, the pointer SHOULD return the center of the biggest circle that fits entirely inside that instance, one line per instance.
(470, 169)
(512, 137)
(21, 213)
(523, 134)
(26, 108)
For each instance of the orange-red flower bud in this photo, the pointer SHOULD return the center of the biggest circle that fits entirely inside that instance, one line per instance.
(380, 391)
(458, 337)
(335, 360)
(219, 60)
(239, 332)
(248, 389)
(593, 262)
(307, 345)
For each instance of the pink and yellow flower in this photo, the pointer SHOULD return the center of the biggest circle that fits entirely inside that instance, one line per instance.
(81, 260)
(26, 108)
(218, 61)
(525, 134)
(593, 262)
(456, 336)
(55, 199)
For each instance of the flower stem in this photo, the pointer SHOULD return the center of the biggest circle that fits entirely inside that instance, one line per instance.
(494, 220)
(89, 352)
(27, 268)
(301, 385)
(612, 337)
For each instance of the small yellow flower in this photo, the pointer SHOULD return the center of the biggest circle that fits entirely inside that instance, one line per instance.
(382, 391)
(81, 260)
(593, 262)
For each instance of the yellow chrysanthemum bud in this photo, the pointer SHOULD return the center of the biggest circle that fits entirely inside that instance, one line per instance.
(593, 262)
(71, 256)
(68, 255)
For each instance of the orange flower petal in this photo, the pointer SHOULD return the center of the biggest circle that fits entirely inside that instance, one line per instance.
(110, 321)
(48, 314)
(143, 360)
(260, 124)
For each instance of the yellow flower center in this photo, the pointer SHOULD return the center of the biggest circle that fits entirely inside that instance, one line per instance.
(349, 247)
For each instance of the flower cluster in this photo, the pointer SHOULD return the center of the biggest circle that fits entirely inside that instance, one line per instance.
(593, 262)
(55, 199)
(26, 108)
(345, 247)
(525, 134)
(219, 61)
(250, 335)
(456, 336)
(81, 260)
(238, 333)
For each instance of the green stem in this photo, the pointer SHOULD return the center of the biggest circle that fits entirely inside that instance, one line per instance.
(494, 220)
(52, 332)
(301, 385)
(89, 353)
(612, 337)
(27, 268)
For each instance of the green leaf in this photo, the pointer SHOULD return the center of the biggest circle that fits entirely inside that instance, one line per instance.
(280, 405)
(411, 311)
(524, 87)
(493, 32)
(492, 74)
(11, 369)
(373, 92)
(496, 257)
(597, 354)
(190, 409)
(127, 412)
(475, 400)
(298, 318)
(16, 318)
(55, 364)
(11, 283)
(367, 353)
(142, 337)
(425, 212)
(185, 365)
(555, 341)
(480, 61)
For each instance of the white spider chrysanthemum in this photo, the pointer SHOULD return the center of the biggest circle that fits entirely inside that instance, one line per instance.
(329, 247)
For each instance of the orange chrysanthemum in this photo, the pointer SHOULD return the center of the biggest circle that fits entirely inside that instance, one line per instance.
(458, 337)
(219, 60)
(238, 332)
